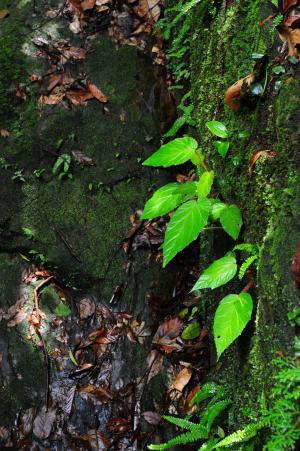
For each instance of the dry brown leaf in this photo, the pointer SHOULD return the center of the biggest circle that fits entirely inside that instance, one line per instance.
(149, 9)
(285, 5)
(4, 13)
(76, 53)
(181, 380)
(96, 440)
(86, 307)
(96, 92)
(78, 96)
(21, 93)
(154, 364)
(4, 133)
(80, 157)
(235, 93)
(52, 99)
(101, 393)
(289, 31)
(257, 155)
(87, 4)
(187, 408)
(152, 418)
(43, 423)
(26, 420)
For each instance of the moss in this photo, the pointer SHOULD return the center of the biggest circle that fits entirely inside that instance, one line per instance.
(269, 200)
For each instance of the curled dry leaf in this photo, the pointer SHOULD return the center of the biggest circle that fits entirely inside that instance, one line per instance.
(52, 99)
(87, 4)
(296, 267)
(289, 31)
(166, 335)
(257, 155)
(148, 9)
(285, 5)
(80, 157)
(96, 440)
(99, 393)
(78, 96)
(86, 307)
(154, 363)
(43, 422)
(152, 418)
(76, 53)
(4, 133)
(4, 13)
(96, 92)
(181, 380)
(235, 93)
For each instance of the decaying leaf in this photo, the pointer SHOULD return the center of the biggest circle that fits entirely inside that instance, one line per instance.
(235, 93)
(87, 4)
(76, 53)
(285, 5)
(52, 99)
(257, 155)
(80, 157)
(4, 13)
(43, 422)
(289, 31)
(86, 307)
(26, 420)
(4, 133)
(154, 363)
(166, 335)
(96, 440)
(296, 267)
(119, 425)
(99, 393)
(181, 380)
(96, 92)
(78, 96)
(148, 9)
(152, 418)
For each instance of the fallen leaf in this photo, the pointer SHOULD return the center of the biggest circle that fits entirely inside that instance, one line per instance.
(166, 335)
(52, 99)
(152, 418)
(4, 13)
(69, 400)
(181, 380)
(154, 363)
(257, 155)
(76, 53)
(78, 96)
(87, 4)
(96, 440)
(86, 307)
(4, 133)
(80, 157)
(96, 92)
(101, 393)
(289, 31)
(118, 425)
(149, 9)
(26, 421)
(285, 5)
(21, 93)
(235, 93)
(43, 423)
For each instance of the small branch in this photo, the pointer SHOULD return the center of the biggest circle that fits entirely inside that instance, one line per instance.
(249, 284)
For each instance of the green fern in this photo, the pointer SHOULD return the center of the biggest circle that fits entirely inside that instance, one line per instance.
(207, 391)
(181, 422)
(244, 435)
(212, 412)
(182, 439)
(247, 263)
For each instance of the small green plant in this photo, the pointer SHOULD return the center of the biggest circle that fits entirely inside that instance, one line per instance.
(19, 176)
(28, 232)
(220, 130)
(63, 164)
(38, 173)
(38, 257)
(194, 208)
(204, 429)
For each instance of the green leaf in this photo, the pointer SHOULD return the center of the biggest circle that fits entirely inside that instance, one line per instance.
(222, 147)
(184, 227)
(62, 310)
(209, 390)
(232, 315)
(218, 273)
(241, 436)
(28, 233)
(246, 265)
(191, 331)
(217, 129)
(243, 134)
(231, 220)
(217, 209)
(175, 152)
(72, 358)
(165, 199)
(205, 183)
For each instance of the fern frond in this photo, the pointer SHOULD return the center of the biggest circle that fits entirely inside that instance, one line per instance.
(207, 391)
(182, 439)
(212, 412)
(247, 247)
(241, 436)
(181, 422)
(209, 445)
(246, 265)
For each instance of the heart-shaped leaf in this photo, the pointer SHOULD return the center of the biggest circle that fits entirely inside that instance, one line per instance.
(218, 273)
(173, 153)
(222, 147)
(231, 220)
(217, 129)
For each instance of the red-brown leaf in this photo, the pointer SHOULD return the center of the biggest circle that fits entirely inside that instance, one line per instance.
(96, 92)
(257, 155)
